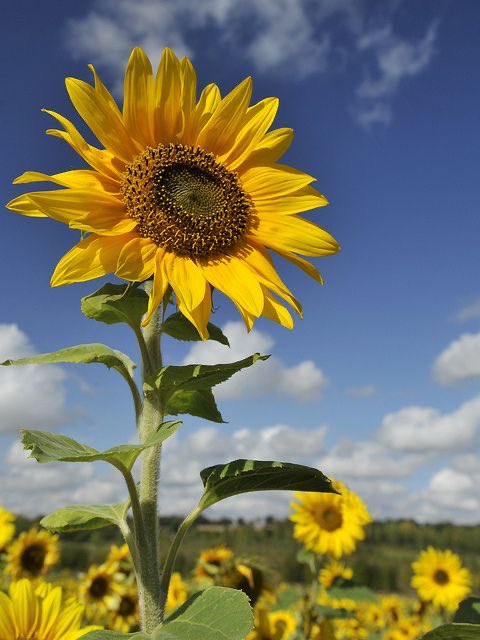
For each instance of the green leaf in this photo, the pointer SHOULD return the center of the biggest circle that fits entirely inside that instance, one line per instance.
(114, 303)
(217, 613)
(468, 611)
(454, 631)
(51, 447)
(82, 353)
(115, 635)
(305, 556)
(199, 403)
(177, 326)
(85, 517)
(192, 377)
(358, 594)
(242, 476)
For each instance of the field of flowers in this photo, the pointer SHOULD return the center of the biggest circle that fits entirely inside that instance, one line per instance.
(39, 601)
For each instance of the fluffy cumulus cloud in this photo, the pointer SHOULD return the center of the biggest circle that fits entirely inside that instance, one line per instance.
(31, 396)
(298, 37)
(303, 381)
(460, 361)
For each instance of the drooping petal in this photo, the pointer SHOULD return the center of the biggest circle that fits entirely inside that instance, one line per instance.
(138, 101)
(76, 179)
(186, 279)
(303, 264)
(136, 261)
(159, 287)
(275, 311)
(200, 315)
(92, 257)
(26, 207)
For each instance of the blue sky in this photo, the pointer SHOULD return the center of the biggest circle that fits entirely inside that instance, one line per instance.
(378, 385)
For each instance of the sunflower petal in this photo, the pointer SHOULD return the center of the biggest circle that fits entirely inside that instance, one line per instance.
(168, 90)
(23, 205)
(200, 315)
(92, 257)
(76, 179)
(138, 98)
(304, 199)
(136, 261)
(274, 180)
(275, 311)
(159, 287)
(186, 279)
(272, 147)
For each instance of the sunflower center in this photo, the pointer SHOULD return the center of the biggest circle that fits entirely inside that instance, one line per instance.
(441, 577)
(99, 587)
(186, 201)
(33, 559)
(330, 519)
(127, 606)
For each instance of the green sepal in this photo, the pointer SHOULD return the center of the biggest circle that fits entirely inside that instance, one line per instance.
(116, 635)
(82, 353)
(454, 631)
(51, 447)
(199, 403)
(468, 611)
(114, 303)
(85, 517)
(217, 613)
(177, 326)
(243, 476)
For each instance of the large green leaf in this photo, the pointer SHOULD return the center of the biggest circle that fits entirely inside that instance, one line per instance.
(192, 377)
(242, 476)
(115, 635)
(217, 613)
(84, 517)
(115, 303)
(468, 611)
(199, 403)
(51, 447)
(177, 326)
(82, 353)
(454, 631)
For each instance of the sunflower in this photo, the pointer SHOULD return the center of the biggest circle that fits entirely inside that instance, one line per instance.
(273, 625)
(124, 611)
(39, 614)
(100, 590)
(120, 557)
(177, 592)
(7, 527)
(187, 192)
(328, 523)
(440, 578)
(211, 560)
(333, 572)
(32, 554)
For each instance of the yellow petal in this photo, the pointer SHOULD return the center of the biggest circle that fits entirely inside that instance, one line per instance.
(186, 279)
(7, 626)
(272, 147)
(303, 264)
(302, 200)
(100, 112)
(25, 206)
(189, 88)
(236, 280)
(159, 287)
(272, 181)
(168, 88)
(92, 257)
(221, 129)
(138, 101)
(200, 315)
(275, 311)
(209, 100)
(136, 261)
(100, 159)
(25, 607)
(50, 609)
(291, 233)
(76, 179)
(257, 121)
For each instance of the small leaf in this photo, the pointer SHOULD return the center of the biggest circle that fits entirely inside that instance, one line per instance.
(200, 376)
(454, 631)
(115, 635)
(51, 447)
(84, 517)
(114, 303)
(242, 476)
(217, 613)
(82, 353)
(468, 611)
(177, 326)
(199, 403)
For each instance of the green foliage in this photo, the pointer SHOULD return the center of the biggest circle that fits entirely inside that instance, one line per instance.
(83, 517)
(243, 476)
(454, 631)
(358, 594)
(468, 611)
(114, 303)
(177, 326)
(199, 403)
(115, 635)
(82, 353)
(217, 613)
(51, 447)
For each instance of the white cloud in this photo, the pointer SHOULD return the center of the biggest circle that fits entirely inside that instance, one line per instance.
(365, 391)
(469, 312)
(460, 361)
(303, 381)
(31, 396)
(295, 37)
(425, 429)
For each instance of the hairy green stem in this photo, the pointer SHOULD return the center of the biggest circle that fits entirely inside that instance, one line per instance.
(172, 554)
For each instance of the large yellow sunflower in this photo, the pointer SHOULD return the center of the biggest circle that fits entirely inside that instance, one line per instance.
(7, 527)
(187, 192)
(32, 554)
(328, 523)
(39, 614)
(440, 578)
